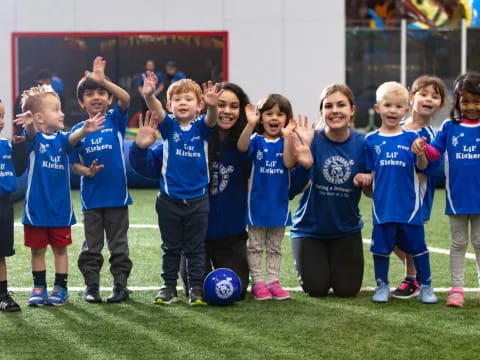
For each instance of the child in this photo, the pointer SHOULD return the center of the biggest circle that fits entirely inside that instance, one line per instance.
(427, 97)
(182, 204)
(8, 184)
(393, 167)
(48, 212)
(267, 206)
(104, 194)
(459, 137)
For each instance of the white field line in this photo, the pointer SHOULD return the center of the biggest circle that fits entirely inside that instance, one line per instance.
(296, 289)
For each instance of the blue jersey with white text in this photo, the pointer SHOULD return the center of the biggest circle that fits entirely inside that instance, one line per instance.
(185, 162)
(461, 142)
(8, 179)
(48, 201)
(269, 184)
(396, 188)
(329, 206)
(228, 193)
(108, 188)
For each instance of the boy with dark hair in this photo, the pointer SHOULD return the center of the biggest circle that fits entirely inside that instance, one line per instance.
(104, 194)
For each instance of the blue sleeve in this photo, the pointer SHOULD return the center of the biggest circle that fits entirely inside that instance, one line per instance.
(440, 141)
(299, 177)
(159, 77)
(74, 156)
(146, 162)
(119, 119)
(179, 76)
(369, 158)
(166, 126)
(64, 140)
(252, 146)
(205, 130)
(140, 80)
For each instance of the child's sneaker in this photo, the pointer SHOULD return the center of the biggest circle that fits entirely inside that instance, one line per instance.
(92, 295)
(382, 293)
(426, 295)
(38, 297)
(196, 297)
(407, 289)
(455, 297)
(58, 296)
(7, 303)
(278, 293)
(166, 295)
(261, 292)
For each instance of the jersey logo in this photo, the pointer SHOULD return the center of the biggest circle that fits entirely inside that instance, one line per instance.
(378, 148)
(176, 137)
(259, 155)
(220, 177)
(43, 148)
(456, 138)
(337, 170)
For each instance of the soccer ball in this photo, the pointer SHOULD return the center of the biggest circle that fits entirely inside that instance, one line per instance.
(222, 287)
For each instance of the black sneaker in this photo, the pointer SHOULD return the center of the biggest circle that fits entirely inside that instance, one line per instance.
(7, 303)
(166, 295)
(92, 295)
(406, 290)
(196, 297)
(119, 294)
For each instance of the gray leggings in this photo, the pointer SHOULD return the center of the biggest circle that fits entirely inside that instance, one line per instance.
(459, 231)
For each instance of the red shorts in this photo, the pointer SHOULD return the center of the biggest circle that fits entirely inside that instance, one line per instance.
(40, 237)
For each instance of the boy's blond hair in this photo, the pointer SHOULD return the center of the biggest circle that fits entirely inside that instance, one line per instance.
(33, 97)
(393, 88)
(183, 86)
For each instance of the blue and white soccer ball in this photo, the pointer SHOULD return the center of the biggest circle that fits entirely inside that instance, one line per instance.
(222, 287)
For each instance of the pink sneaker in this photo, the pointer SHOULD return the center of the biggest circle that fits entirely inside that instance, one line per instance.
(455, 297)
(261, 292)
(278, 292)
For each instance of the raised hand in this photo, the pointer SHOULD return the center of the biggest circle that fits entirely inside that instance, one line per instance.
(94, 124)
(149, 83)
(289, 129)
(24, 119)
(98, 73)
(94, 168)
(305, 130)
(211, 92)
(253, 115)
(418, 146)
(147, 130)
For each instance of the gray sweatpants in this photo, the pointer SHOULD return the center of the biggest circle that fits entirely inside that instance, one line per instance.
(459, 230)
(114, 223)
(269, 240)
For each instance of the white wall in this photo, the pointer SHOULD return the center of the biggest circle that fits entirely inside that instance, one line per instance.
(293, 47)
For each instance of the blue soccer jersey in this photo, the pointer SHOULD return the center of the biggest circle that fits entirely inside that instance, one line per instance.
(396, 189)
(462, 166)
(427, 188)
(228, 193)
(269, 184)
(185, 162)
(47, 197)
(108, 188)
(8, 179)
(329, 206)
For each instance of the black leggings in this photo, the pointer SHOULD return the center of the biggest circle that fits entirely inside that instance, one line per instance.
(335, 263)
